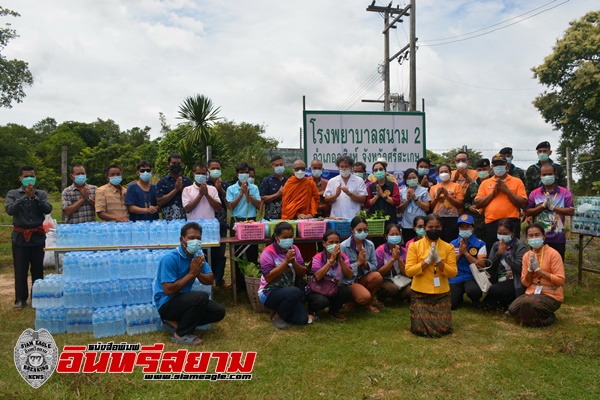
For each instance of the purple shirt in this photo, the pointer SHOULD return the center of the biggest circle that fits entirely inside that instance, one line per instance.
(270, 258)
(335, 271)
(384, 253)
(553, 223)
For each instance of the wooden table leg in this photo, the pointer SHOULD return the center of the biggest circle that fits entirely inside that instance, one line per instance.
(579, 266)
(233, 274)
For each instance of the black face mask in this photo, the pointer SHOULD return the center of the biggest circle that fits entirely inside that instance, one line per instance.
(434, 234)
(175, 168)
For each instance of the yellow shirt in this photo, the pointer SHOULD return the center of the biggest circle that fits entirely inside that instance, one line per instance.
(423, 280)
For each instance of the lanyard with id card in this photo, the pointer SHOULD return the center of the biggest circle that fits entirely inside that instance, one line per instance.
(436, 279)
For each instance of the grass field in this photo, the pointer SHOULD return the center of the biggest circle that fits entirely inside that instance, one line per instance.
(366, 357)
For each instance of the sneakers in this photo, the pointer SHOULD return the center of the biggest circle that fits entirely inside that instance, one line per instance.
(20, 304)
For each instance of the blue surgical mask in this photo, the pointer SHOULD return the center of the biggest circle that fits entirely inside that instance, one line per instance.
(361, 235)
(331, 248)
(412, 182)
(543, 157)
(509, 159)
(483, 174)
(465, 233)
(146, 176)
(193, 246)
(115, 180)
(279, 170)
(251, 181)
(504, 238)
(215, 173)
(200, 178)
(27, 180)
(243, 177)
(394, 240)
(286, 243)
(379, 174)
(420, 232)
(80, 179)
(500, 170)
(536, 243)
(358, 174)
(423, 171)
(317, 173)
(548, 180)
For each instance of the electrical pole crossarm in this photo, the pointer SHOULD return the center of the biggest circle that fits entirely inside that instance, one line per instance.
(402, 13)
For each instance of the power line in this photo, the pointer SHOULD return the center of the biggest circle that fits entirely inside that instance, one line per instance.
(350, 100)
(493, 30)
(474, 86)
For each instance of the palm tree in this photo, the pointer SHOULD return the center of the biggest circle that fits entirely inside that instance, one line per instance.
(199, 115)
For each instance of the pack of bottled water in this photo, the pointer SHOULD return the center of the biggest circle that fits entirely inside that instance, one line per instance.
(48, 292)
(53, 319)
(79, 320)
(139, 233)
(142, 318)
(136, 291)
(109, 321)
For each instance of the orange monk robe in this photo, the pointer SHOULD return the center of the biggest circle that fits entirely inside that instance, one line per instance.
(300, 196)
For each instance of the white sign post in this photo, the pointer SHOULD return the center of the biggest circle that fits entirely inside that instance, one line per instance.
(365, 136)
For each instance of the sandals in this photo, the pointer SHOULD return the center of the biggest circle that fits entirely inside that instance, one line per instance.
(339, 316)
(187, 340)
(168, 327)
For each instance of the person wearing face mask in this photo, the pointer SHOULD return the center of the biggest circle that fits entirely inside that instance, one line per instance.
(423, 169)
(372, 177)
(533, 175)
(501, 197)
(469, 250)
(281, 263)
(169, 189)
(430, 262)
(141, 195)
(463, 175)
(549, 204)
(360, 170)
(419, 228)
(505, 273)
(447, 199)
(27, 206)
(511, 168)
(218, 253)
(110, 198)
(77, 200)
(346, 192)
(181, 309)
(316, 170)
(363, 261)
(300, 195)
(383, 194)
(414, 202)
(483, 172)
(200, 201)
(543, 275)
(391, 257)
(331, 265)
(271, 189)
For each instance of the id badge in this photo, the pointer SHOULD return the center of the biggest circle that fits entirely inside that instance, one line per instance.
(538, 289)
(436, 281)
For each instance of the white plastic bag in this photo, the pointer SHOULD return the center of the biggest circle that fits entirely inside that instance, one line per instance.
(481, 277)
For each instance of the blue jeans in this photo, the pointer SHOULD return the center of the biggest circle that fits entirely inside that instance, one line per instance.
(287, 302)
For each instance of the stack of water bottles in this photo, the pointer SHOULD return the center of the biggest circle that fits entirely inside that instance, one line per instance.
(139, 233)
(107, 293)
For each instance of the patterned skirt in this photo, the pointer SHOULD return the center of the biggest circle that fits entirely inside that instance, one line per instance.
(430, 314)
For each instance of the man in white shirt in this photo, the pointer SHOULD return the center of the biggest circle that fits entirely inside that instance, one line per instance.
(346, 192)
(200, 201)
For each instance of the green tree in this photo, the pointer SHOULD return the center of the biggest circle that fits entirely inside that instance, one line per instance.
(571, 102)
(14, 74)
(14, 153)
(199, 115)
(245, 141)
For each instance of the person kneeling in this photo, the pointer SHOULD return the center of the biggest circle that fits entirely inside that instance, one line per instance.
(181, 309)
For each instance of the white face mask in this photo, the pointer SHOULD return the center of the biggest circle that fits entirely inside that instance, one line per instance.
(444, 176)
(461, 165)
(345, 173)
(299, 174)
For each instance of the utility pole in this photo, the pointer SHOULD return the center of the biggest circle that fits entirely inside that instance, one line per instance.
(413, 57)
(63, 167)
(387, 25)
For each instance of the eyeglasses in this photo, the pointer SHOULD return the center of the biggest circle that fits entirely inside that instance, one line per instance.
(461, 160)
(300, 169)
(145, 170)
(362, 230)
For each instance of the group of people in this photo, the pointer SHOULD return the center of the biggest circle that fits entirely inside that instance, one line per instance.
(436, 233)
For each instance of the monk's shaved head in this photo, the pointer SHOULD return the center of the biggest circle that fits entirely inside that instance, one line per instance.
(299, 164)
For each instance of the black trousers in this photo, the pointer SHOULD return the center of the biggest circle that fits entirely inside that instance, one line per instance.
(500, 295)
(560, 247)
(458, 290)
(408, 234)
(190, 310)
(449, 228)
(318, 302)
(491, 232)
(23, 257)
(217, 256)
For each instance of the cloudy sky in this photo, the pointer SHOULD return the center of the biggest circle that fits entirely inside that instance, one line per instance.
(128, 60)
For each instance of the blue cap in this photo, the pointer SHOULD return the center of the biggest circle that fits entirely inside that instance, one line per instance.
(465, 219)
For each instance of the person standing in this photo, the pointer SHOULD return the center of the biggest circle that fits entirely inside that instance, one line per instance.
(483, 173)
(463, 175)
(27, 206)
(200, 201)
(512, 169)
(316, 170)
(346, 192)
(383, 194)
(78, 204)
(414, 202)
(218, 253)
(423, 168)
(446, 200)
(532, 175)
(549, 204)
(360, 170)
(141, 195)
(110, 198)
(501, 197)
(271, 189)
(169, 189)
